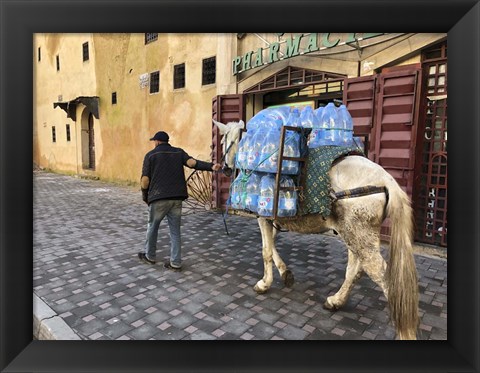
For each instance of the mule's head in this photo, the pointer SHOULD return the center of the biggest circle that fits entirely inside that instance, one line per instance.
(231, 136)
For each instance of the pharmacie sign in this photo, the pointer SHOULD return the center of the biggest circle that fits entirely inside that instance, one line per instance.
(295, 46)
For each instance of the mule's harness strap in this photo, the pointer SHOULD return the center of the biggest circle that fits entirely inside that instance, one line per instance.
(358, 192)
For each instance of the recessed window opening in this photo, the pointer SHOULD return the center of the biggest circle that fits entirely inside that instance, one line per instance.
(39, 54)
(150, 37)
(209, 71)
(179, 76)
(54, 134)
(86, 55)
(68, 132)
(114, 98)
(155, 82)
(58, 62)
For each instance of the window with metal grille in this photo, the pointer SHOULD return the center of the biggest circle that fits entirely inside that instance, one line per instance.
(150, 36)
(431, 204)
(58, 62)
(114, 98)
(54, 134)
(68, 132)
(39, 54)
(179, 76)
(209, 70)
(155, 82)
(86, 56)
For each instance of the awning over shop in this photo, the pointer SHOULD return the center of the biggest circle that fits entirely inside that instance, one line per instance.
(70, 107)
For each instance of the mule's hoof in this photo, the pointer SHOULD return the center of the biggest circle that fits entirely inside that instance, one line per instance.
(330, 307)
(288, 278)
(259, 290)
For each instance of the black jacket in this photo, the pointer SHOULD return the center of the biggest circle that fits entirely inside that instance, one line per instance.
(164, 168)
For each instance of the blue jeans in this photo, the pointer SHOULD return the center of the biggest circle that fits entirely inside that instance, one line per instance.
(157, 210)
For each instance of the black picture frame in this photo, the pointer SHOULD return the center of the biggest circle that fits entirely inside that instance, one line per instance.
(19, 20)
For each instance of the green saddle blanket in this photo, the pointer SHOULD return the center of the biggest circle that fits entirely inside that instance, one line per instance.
(316, 198)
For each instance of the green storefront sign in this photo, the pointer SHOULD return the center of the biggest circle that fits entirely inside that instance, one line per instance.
(291, 47)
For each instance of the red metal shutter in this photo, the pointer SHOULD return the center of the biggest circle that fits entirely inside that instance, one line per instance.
(397, 124)
(225, 108)
(396, 127)
(359, 97)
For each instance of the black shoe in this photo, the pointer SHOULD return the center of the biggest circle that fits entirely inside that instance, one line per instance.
(167, 265)
(143, 257)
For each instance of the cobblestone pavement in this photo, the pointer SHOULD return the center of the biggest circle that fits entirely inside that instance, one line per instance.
(86, 237)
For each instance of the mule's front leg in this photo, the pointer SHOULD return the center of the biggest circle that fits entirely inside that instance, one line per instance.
(267, 244)
(285, 273)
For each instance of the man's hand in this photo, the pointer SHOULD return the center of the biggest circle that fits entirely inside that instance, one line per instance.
(145, 195)
(216, 167)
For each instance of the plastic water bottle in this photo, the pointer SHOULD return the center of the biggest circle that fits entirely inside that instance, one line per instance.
(237, 193)
(315, 138)
(294, 118)
(292, 143)
(291, 148)
(347, 125)
(243, 148)
(265, 200)
(330, 120)
(279, 112)
(318, 113)
(255, 147)
(308, 118)
(268, 161)
(252, 192)
(275, 123)
(287, 201)
(329, 128)
(255, 122)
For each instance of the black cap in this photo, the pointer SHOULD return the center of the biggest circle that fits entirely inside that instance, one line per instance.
(160, 136)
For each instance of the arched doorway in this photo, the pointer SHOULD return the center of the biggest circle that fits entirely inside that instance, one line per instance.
(88, 140)
(91, 143)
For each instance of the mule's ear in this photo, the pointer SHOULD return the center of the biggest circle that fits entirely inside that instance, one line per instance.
(241, 123)
(222, 127)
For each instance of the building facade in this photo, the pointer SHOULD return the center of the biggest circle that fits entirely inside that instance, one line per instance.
(98, 98)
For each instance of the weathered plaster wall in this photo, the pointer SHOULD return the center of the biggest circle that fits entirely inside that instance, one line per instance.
(75, 78)
(123, 130)
(184, 113)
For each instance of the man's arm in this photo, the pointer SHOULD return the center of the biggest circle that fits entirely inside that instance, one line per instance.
(203, 166)
(144, 183)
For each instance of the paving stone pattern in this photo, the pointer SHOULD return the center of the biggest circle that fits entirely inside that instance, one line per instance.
(86, 237)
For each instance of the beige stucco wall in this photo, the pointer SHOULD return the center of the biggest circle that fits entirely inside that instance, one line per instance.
(75, 78)
(123, 130)
(403, 50)
(184, 113)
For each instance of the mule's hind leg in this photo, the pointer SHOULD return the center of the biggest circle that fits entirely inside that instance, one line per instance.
(352, 274)
(374, 266)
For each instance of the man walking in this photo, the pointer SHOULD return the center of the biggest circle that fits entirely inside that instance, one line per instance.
(163, 189)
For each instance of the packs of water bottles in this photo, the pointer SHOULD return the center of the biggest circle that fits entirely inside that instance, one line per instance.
(254, 192)
(258, 149)
(257, 156)
(330, 125)
(259, 146)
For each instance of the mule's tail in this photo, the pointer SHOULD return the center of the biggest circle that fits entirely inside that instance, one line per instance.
(401, 273)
